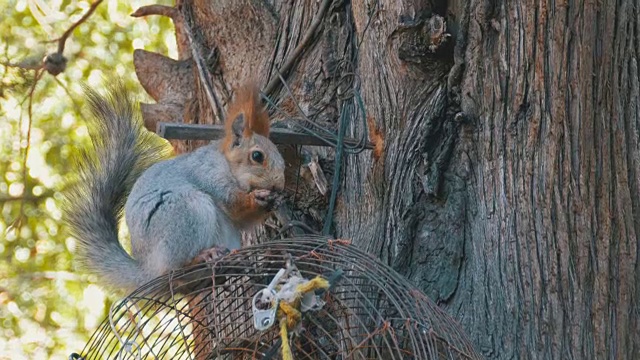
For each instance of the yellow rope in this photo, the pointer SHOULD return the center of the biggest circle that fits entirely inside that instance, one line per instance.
(313, 285)
(289, 314)
(286, 348)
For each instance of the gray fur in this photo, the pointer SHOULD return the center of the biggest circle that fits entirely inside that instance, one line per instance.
(171, 211)
(270, 148)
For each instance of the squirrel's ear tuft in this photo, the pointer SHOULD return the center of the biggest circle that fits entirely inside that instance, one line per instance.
(246, 116)
(259, 122)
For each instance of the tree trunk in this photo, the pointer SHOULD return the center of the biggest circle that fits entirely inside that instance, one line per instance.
(505, 177)
(552, 191)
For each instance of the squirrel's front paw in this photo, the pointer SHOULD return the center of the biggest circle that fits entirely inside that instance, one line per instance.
(267, 199)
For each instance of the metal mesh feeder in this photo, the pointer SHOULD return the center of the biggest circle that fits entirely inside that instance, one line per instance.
(336, 302)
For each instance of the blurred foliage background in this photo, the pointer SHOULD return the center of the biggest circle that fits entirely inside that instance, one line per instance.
(48, 307)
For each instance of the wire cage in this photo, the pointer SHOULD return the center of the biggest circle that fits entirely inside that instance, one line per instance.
(206, 311)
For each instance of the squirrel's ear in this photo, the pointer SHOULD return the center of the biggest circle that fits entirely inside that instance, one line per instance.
(246, 116)
(238, 125)
(239, 128)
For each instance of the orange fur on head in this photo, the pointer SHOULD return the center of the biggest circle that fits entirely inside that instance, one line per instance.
(247, 102)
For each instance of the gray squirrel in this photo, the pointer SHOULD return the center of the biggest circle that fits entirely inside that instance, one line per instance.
(182, 210)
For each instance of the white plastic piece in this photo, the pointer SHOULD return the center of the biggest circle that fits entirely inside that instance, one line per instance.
(273, 283)
(263, 319)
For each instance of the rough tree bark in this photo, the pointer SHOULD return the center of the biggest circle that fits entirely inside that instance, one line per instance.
(505, 181)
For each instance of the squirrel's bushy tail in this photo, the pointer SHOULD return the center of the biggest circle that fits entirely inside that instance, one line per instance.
(122, 149)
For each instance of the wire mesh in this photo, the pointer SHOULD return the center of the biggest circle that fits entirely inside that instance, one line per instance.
(205, 312)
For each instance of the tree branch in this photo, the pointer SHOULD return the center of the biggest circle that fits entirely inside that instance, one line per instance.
(56, 63)
(63, 39)
(162, 10)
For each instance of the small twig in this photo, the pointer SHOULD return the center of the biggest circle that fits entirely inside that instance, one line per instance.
(317, 20)
(18, 221)
(26, 150)
(55, 63)
(24, 67)
(49, 275)
(63, 39)
(76, 106)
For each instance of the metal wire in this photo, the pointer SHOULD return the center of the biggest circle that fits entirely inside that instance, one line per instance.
(347, 90)
(371, 313)
(348, 96)
(349, 93)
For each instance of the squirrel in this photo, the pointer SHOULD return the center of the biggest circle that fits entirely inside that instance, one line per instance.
(179, 211)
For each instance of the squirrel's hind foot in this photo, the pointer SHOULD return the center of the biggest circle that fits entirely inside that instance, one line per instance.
(210, 255)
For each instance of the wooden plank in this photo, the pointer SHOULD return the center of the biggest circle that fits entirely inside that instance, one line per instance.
(175, 131)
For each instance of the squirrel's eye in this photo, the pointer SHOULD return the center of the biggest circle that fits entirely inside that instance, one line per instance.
(257, 156)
